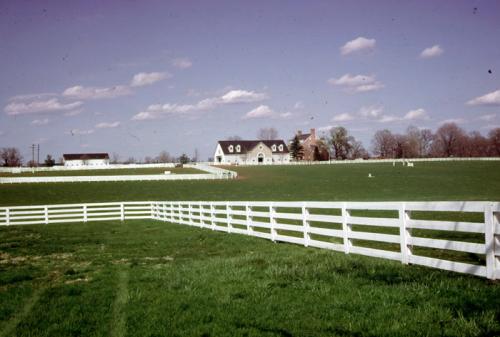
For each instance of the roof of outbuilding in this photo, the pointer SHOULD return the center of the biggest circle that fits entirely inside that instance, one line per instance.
(248, 145)
(85, 156)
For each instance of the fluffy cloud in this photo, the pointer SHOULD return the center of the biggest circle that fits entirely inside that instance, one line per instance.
(488, 117)
(357, 83)
(156, 111)
(142, 79)
(299, 105)
(371, 111)
(342, 118)
(78, 132)
(430, 52)
(83, 93)
(453, 120)
(492, 99)
(50, 105)
(259, 112)
(107, 125)
(44, 121)
(182, 63)
(360, 44)
(416, 114)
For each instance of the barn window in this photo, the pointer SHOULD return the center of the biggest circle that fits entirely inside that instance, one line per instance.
(281, 147)
(230, 148)
(273, 147)
(238, 148)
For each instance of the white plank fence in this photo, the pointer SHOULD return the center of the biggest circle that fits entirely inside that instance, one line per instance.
(329, 225)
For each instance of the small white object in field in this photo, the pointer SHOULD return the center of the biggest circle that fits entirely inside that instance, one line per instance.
(370, 175)
(167, 172)
(410, 164)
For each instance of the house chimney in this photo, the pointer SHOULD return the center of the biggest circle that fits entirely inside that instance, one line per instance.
(313, 134)
(299, 133)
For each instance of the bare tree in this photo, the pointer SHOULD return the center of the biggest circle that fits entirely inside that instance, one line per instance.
(115, 158)
(267, 134)
(426, 139)
(476, 145)
(494, 142)
(357, 150)
(340, 142)
(384, 144)
(148, 160)
(449, 141)
(11, 157)
(196, 155)
(130, 160)
(164, 157)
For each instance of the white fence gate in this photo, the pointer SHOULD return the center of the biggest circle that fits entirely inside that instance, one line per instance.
(403, 231)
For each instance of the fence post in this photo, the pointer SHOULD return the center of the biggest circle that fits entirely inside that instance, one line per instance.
(164, 210)
(346, 228)
(490, 221)
(404, 234)
(171, 212)
(248, 209)
(84, 213)
(46, 213)
(305, 224)
(212, 216)
(122, 211)
(229, 217)
(7, 216)
(272, 221)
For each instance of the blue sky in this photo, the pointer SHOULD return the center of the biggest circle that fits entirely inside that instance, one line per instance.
(138, 77)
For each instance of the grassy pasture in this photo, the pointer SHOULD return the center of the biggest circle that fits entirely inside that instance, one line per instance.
(105, 172)
(426, 181)
(142, 278)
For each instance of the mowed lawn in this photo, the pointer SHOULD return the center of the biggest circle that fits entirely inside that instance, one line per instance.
(105, 172)
(426, 181)
(144, 278)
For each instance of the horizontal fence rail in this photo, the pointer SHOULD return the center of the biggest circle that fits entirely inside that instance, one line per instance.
(456, 236)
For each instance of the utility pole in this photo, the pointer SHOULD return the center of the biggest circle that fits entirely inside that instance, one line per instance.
(32, 155)
(38, 156)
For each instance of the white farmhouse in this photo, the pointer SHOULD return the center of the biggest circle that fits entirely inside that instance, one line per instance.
(75, 160)
(251, 152)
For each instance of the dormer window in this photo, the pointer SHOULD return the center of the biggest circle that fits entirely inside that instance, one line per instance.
(281, 147)
(273, 148)
(238, 148)
(230, 148)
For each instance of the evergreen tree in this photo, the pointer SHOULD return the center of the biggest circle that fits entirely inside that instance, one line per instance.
(296, 149)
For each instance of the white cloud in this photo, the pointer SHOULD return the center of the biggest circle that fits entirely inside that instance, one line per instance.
(78, 132)
(285, 115)
(360, 44)
(30, 97)
(157, 111)
(259, 112)
(44, 121)
(371, 111)
(416, 114)
(492, 99)
(73, 113)
(80, 92)
(357, 83)
(182, 63)
(107, 125)
(454, 120)
(430, 52)
(243, 96)
(51, 105)
(299, 105)
(388, 119)
(342, 118)
(142, 79)
(488, 117)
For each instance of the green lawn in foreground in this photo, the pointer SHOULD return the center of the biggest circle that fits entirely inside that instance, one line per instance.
(105, 172)
(144, 278)
(426, 181)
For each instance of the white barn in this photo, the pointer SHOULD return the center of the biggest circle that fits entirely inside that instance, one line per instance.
(75, 160)
(251, 152)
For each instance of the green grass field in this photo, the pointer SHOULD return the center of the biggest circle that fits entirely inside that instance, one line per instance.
(141, 278)
(145, 278)
(105, 172)
(425, 181)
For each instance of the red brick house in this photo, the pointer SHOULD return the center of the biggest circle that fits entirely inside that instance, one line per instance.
(309, 144)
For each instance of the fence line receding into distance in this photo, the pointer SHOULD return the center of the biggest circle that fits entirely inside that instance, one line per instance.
(402, 231)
